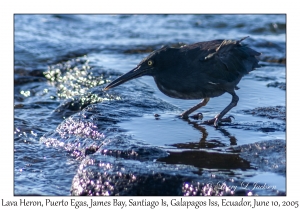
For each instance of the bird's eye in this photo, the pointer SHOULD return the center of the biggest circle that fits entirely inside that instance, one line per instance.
(150, 62)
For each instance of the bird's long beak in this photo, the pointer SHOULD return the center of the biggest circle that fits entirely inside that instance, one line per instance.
(134, 73)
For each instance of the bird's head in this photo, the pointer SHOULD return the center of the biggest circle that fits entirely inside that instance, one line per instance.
(149, 66)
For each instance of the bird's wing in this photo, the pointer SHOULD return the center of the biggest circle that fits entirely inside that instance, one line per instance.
(226, 60)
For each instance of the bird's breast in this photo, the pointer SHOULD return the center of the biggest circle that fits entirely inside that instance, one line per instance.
(180, 94)
(172, 92)
(181, 91)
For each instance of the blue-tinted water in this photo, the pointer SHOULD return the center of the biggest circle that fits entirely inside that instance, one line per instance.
(62, 62)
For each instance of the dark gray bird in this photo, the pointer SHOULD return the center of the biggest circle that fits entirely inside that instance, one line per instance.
(198, 71)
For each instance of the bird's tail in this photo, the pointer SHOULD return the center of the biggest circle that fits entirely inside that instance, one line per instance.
(251, 60)
(237, 56)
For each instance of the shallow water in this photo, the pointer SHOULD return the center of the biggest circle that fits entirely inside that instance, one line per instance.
(65, 124)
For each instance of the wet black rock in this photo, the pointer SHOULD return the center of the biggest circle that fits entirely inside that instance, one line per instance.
(264, 78)
(23, 75)
(265, 155)
(274, 60)
(156, 115)
(105, 175)
(20, 80)
(139, 50)
(265, 127)
(277, 112)
(281, 85)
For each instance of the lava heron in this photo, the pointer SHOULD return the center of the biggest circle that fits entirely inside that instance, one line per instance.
(198, 71)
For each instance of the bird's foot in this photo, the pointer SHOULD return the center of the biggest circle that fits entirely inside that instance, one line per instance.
(198, 116)
(216, 121)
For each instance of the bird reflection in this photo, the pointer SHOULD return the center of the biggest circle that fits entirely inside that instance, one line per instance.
(204, 142)
(191, 155)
